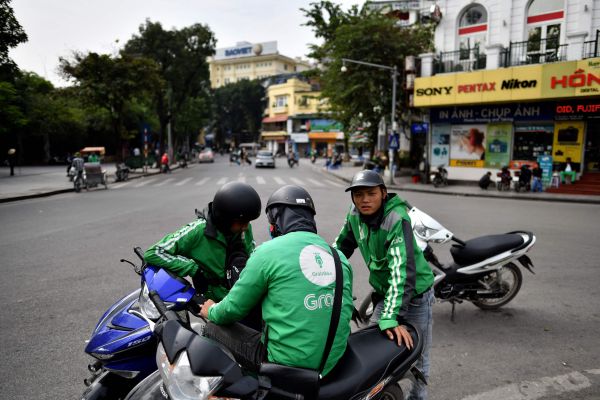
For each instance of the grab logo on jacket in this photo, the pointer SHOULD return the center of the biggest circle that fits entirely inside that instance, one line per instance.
(317, 265)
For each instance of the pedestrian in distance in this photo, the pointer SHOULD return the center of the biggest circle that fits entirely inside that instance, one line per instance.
(93, 158)
(284, 276)
(485, 180)
(537, 179)
(12, 160)
(213, 249)
(379, 225)
(164, 162)
(244, 156)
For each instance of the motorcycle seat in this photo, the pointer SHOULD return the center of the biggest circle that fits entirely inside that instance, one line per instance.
(368, 358)
(481, 248)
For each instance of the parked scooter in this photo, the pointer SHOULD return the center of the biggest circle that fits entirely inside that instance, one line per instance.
(440, 177)
(123, 343)
(191, 366)
(484, 270)
(122, 173)
(504, 180)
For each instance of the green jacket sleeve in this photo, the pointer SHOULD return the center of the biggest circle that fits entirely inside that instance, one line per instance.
(170, 252)
(244, 295)
(346, 242)
(402, 280)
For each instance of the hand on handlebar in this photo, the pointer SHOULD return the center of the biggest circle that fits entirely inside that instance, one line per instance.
(205, 307)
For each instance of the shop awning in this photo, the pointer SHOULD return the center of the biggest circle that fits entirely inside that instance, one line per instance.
(273, 134)
(326, 136)
(277, 118)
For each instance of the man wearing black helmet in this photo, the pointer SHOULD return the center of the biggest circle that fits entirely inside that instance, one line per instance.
(293, 277)
(379, 225)
(214, 247)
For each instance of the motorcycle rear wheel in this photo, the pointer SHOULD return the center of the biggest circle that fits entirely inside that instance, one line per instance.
(512, 278)
(77, 185)
(437, 182)
(392, 392)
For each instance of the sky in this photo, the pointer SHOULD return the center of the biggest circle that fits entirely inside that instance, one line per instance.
(56, 28)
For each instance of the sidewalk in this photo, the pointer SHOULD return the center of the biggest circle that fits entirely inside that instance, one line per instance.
(30, 182)
(346, 173)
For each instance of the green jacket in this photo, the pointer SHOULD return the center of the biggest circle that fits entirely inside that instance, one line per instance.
(398, 270)
(198, 245)
(294, 277)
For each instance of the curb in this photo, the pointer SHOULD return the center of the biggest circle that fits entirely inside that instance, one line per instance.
(490, 196)
(61, 191)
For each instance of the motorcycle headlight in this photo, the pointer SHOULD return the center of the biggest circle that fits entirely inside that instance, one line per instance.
(179, 380)
(423, 232)
(147, 307)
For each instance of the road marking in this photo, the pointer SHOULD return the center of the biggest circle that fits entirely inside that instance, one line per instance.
(241, 179)
(297, 181)
(183, 182)
(279, 180)
(333, 183)
(202, 181)
(260, 180)
(316, 182)
(119, 185)
(593, 371)
(221, 181)
(531, 390)
(145, 182)
(164, 182)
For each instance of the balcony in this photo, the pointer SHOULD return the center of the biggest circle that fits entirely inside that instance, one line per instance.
(540, 51)
(459, 61)
(592, 48)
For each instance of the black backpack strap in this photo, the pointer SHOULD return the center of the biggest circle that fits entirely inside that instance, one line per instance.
(337, 307)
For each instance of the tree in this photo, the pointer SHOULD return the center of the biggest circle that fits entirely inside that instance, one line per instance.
(238, 108)
(181, 56)
(11, 34)
(113, 83)
(362, 95)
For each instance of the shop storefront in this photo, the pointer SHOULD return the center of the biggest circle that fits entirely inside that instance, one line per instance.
(484, 120)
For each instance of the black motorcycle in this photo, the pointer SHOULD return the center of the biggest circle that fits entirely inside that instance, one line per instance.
(122, 173)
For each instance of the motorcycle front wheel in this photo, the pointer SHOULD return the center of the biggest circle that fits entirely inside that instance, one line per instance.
(437, 182)
(506, 282)
(77, 185)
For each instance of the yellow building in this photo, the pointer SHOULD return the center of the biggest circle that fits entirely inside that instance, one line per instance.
(296, 115)
(250, 61)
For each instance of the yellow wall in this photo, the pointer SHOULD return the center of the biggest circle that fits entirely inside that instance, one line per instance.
(545, 81)
(300, 99)
(233, 70)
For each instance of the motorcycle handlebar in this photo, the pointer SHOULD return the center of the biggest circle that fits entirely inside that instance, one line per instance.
(285, 394)
(160, 306)
(457, 240)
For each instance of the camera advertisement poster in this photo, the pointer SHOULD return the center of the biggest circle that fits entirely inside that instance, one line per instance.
(568, 141)
(467, 145)
(440, 145)
(498, 145)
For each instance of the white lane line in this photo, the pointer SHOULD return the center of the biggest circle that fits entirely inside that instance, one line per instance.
(315, 182)
(297, 181)
(334, 183)
(145, 182)
(260, 180)
(119, 185)
(183, 182)
(202, 181)
(222, 181)
(164, 182)
(532, 390)
(279, 180)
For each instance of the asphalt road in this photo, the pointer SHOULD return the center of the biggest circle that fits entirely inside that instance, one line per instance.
(60, 271)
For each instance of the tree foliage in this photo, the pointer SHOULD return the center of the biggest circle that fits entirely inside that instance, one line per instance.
(11, 34)
(362, 95)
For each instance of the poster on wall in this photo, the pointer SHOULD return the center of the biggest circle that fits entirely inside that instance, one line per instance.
(545, 163)
(440, 145)
(498, 145)
(568, 141)
(467, 145)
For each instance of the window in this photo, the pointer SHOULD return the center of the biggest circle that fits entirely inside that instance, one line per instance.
(544, 26)
(280, 101)
(472, 31)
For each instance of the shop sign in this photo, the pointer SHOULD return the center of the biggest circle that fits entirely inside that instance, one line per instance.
(437, 91)
(238, 51)
(577, 110)
(323, 125)
(580, 79)
(419, 128)
(568, 141)
(504, 113)
(299, 137)
(440, 145)
(467, 145)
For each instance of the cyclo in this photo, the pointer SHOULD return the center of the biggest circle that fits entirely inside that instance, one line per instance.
(92, 174)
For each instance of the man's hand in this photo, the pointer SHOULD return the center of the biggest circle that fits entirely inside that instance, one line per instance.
(401, 335)
(205, 307)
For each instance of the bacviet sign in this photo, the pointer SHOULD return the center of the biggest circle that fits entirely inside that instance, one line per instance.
(532, 82)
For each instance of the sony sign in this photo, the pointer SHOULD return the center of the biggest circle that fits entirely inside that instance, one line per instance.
(437, 91)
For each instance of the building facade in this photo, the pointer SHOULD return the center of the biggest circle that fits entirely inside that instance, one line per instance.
(250, 61)
(512, 83)
(296, 117)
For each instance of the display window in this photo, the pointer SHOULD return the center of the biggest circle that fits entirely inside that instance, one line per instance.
(532, 140)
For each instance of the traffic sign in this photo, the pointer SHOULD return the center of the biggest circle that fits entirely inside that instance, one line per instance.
(394, 141)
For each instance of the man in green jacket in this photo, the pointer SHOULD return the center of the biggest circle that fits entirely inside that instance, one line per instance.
(379, 225)
(215, 245)
(293, 278)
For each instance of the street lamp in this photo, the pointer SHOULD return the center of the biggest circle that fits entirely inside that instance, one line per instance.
(394, 71)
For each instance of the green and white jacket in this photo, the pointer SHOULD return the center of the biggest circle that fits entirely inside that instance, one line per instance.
(398, 270)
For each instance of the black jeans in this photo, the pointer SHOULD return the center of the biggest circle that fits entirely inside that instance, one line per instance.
(243, 342)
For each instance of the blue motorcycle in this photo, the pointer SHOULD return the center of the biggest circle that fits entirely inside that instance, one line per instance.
(123, 343)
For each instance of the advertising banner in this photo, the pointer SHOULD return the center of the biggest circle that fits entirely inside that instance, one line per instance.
(467, 145)
(440, 145)
(545, 163)
(498, 145)
(324, 125)
(568, 141)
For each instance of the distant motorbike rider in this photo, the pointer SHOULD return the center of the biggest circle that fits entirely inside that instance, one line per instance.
(214, 248)
(287, 276)
(379, 225)
(77, 164)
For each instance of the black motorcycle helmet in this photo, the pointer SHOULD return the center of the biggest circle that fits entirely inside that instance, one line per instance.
(366, 178)
(235, 201)
(290, 208)
(291, 195)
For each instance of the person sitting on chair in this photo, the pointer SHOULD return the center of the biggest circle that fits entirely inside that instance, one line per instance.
(568, 171)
